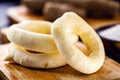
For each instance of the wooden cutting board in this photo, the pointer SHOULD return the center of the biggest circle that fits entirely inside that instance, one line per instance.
(109, 71)
(21, 13)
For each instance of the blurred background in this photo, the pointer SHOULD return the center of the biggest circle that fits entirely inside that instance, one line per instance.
(4, 5)
(100, 14)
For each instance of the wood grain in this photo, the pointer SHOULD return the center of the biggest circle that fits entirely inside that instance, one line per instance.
(109, 71)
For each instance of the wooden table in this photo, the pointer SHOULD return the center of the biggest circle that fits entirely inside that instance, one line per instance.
(109, 71)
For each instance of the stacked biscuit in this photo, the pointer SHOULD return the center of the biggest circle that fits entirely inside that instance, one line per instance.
(42, 44)
(52, 9)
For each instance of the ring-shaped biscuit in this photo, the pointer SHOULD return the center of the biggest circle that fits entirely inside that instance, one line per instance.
(31, 59)
(71, 54)
(35, 35)
(34, 59)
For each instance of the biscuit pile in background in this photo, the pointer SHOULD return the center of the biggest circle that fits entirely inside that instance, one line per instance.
(52, 9)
